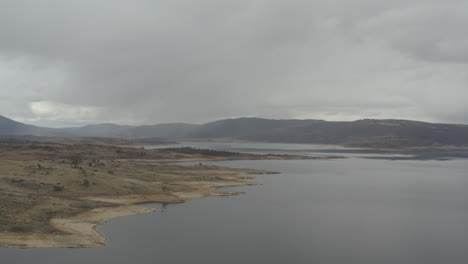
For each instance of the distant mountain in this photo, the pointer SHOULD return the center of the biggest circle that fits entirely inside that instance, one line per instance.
(249, 128)
(10, 127)
(174, 130)
(362, 133)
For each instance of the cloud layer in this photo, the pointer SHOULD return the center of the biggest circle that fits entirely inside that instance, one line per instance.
(195, 61)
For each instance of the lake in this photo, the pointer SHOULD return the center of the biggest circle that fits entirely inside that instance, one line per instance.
(354, 210)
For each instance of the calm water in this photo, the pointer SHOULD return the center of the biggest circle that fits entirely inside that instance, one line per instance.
(317, 211)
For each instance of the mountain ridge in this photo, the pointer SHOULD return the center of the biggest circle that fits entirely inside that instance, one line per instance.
(363, 132)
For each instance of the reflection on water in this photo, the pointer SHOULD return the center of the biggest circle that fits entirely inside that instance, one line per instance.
(317, 211)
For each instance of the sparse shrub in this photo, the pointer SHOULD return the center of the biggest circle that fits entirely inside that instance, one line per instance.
(18, 229)
(76, 160)
(85, 183)
(16, 180)
(58, 187)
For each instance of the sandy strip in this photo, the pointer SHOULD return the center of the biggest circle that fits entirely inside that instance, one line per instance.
(80, 231)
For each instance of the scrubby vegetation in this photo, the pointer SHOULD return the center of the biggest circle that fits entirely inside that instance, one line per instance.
(43, 181)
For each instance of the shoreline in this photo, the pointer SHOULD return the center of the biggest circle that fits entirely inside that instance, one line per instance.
(80, 231)
(56, 195)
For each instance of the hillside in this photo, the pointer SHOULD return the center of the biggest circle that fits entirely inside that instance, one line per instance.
(362, 133)
(10, 127)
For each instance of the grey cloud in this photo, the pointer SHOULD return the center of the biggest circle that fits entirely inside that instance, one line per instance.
(195, 61)
(426, 30)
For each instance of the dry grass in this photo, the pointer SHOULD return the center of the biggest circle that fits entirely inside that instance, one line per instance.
(41, 182)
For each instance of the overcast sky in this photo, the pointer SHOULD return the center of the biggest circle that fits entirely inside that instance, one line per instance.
(154, 61)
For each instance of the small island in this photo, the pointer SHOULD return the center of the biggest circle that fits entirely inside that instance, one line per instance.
(54, 194)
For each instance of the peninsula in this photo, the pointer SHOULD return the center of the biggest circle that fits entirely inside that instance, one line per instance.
(54, 195)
